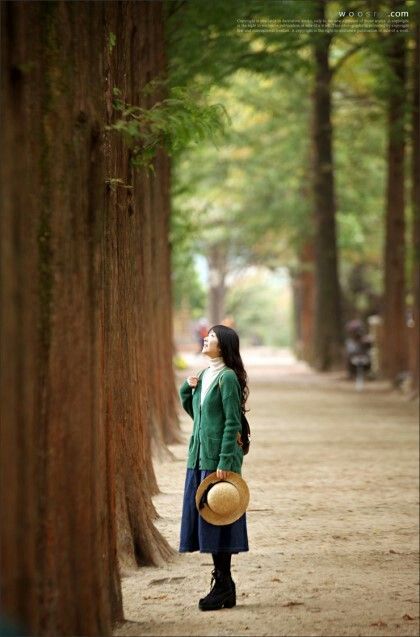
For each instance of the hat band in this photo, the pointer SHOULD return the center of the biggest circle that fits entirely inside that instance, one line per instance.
(203, 499)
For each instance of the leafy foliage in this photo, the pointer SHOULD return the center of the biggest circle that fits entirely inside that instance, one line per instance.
(206, 45)
(250, 193)
(172, 123)
(252, 196)
(112, 40)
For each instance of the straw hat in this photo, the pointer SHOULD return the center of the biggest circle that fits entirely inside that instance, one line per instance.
(222, 501)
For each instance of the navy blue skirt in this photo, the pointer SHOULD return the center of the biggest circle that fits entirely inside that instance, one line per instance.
(199, 535)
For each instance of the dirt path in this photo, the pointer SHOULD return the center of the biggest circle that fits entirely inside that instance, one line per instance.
(332, 522)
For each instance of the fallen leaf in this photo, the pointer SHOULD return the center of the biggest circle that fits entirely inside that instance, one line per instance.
(293, 604)
(155, 597)
(275, 579)
(392, 551)
(379, 623)
(407, 616)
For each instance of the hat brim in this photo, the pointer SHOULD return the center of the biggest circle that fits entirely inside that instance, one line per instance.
(208, 514)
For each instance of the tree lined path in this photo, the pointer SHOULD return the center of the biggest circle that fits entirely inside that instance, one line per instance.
(332, 520)
(161, 166)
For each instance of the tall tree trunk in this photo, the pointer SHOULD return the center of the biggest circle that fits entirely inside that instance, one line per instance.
(395, 330)
(58, 540)
(415, 201)
(81, 318)
(217, 260)
(139, 378)
(165, 420)
(304, 293)
(327, 323)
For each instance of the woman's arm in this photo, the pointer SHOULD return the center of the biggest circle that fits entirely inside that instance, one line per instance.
(231, 399)
(185, 393)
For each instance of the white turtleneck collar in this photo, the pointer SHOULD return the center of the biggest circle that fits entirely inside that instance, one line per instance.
(217, 363)
(216, 366)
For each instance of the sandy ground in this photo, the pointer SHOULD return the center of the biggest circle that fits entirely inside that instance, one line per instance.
(332, 521)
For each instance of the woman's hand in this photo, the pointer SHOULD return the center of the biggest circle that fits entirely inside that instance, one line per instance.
(192, 381)
(222, 474)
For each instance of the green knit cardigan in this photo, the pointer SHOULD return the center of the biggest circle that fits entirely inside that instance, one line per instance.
(216, 423)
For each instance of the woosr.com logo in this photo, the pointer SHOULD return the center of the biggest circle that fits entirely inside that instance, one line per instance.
(372, 14)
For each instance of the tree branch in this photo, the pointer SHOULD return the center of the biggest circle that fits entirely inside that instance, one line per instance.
(259, 57)
(346, 56)
(175, 6)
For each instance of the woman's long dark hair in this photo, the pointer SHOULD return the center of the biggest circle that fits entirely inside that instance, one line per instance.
(229, 347)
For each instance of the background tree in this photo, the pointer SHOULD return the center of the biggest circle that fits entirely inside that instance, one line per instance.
(270, 56)
(395, 331)
(327, 309)
(415, 203)
(140, 393)
(242, 192)
(355, 69)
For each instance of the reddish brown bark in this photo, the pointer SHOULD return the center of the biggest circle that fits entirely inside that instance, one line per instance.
(395, 330)
(415, 201)
(140, 386)
(59, 565)
(327, 348)
(304, 301)
(85, 300)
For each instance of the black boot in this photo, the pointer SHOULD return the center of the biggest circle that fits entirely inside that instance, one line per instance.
(222, 593)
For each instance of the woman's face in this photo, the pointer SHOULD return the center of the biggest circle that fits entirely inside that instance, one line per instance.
(211, 345)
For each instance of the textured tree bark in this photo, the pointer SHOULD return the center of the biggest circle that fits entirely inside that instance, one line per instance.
(304, 295)
(165, 420)
(140, 386)
(415, 201)
(395, 330)
(327, 324)
(59, 565)
(84, 301)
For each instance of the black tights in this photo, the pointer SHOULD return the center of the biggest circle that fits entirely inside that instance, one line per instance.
(222, 562)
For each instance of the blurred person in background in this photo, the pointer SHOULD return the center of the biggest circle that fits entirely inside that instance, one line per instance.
(201, 332)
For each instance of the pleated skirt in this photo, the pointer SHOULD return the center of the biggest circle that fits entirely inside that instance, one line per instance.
(199, 535)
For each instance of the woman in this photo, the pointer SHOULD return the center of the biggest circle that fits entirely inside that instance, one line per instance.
(215, 400)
